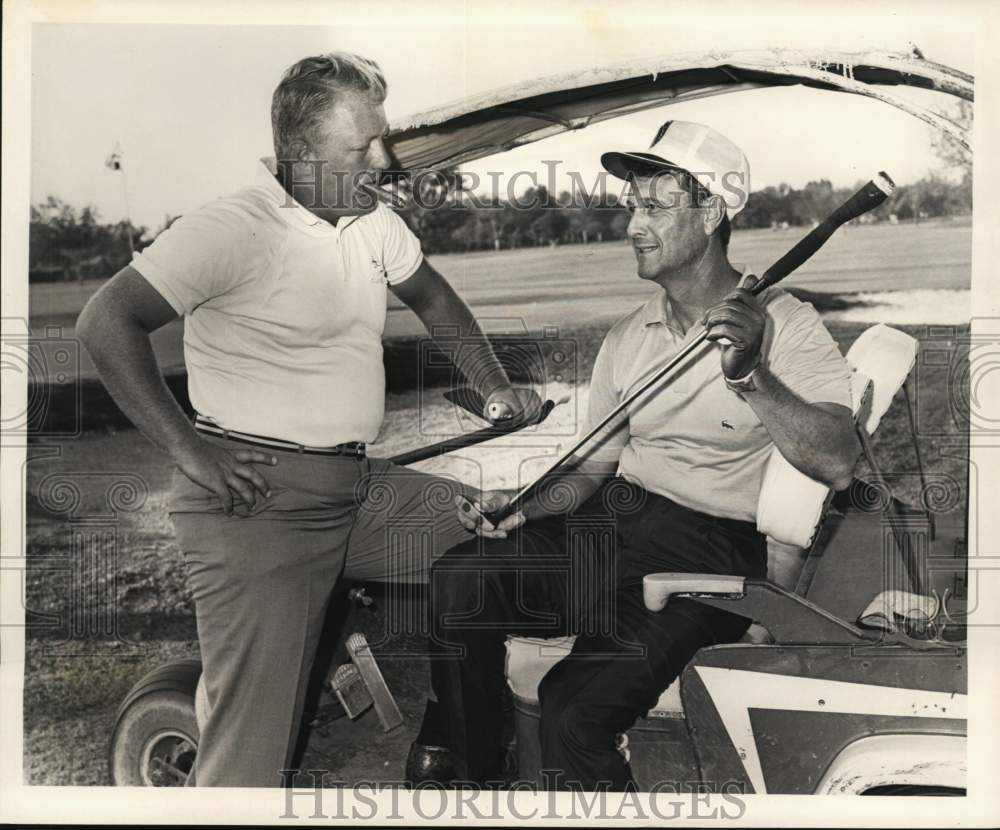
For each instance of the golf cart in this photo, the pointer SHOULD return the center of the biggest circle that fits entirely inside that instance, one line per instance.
(853, 677)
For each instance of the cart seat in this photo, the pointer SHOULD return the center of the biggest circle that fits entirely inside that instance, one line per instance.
(789, 512)
(791, 504)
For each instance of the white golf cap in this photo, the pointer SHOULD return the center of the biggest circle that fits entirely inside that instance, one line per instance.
(718, 165)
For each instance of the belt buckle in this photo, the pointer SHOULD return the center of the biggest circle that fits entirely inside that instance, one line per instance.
(355, 449)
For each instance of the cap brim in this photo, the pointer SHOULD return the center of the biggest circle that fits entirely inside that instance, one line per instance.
(626, 165)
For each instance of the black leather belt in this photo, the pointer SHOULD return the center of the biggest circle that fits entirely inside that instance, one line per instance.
(355, 449)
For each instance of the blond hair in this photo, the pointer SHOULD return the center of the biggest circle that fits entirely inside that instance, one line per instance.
(310, 87)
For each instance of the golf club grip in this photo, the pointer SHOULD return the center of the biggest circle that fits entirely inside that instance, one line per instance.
(867, 198)
(496, 516)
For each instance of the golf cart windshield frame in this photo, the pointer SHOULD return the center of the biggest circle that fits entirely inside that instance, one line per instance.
(513, 116)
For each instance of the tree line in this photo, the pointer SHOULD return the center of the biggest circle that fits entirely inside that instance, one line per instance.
(538, 218)
(69, 244)
(73, 244)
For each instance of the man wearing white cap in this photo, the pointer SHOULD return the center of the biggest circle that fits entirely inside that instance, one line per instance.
(672, 486)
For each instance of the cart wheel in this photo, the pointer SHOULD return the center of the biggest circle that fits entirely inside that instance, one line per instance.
(155, 737)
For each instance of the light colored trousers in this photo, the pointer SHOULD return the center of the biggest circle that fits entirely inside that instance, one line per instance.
(262, 582)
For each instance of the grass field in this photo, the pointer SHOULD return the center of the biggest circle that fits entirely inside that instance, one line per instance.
(576, 286)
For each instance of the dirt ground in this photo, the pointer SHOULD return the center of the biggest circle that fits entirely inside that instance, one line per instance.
(112, 487)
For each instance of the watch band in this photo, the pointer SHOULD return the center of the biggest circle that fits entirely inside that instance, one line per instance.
(745, 383)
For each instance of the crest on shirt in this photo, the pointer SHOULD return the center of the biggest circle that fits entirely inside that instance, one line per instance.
(379, 272)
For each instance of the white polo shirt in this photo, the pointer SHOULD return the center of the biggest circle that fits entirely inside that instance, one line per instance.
(690, 438)
(284, 312)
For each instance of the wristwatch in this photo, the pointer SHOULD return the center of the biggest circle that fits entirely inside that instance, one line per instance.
(745, 383)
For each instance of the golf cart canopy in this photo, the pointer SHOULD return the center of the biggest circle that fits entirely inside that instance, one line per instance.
(509, 117)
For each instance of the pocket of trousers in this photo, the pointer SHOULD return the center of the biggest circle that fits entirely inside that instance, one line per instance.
(186, 496)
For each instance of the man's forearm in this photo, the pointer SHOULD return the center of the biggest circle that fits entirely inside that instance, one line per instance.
(818, 442)
(475, 359)
(124, 359)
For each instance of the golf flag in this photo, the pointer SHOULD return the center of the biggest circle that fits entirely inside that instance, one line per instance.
(114, 161)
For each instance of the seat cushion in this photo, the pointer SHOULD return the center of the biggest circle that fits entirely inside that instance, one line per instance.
(791, 504)
(886, 356)
(530, 658)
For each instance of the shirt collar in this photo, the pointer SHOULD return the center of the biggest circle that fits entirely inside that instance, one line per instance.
(658, 309)
(292, 210)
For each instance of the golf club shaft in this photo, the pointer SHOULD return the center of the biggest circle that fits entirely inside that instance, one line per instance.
(468, 439)
(867, 198)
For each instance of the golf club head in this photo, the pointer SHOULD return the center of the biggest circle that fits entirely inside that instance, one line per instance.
(471, 401)
(467, 398)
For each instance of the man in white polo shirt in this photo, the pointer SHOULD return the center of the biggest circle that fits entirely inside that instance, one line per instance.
(283, 289)
(677, 477)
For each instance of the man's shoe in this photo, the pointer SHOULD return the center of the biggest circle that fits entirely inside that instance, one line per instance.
(429, 763)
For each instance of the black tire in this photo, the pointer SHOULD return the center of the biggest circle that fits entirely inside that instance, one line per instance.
(155, 736)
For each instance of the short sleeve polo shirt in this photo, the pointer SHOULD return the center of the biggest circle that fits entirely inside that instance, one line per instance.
(284, 312)
(690, 438)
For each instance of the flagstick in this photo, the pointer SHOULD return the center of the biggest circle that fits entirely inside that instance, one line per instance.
(114, 161)
(128, 212)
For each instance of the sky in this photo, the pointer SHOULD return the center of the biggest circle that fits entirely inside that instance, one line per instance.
(189, 104)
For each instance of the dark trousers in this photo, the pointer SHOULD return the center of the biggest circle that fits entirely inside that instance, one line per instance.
(578, 574)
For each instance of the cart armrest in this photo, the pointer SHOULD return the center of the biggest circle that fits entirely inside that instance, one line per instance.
(788, 617)
(658, 588)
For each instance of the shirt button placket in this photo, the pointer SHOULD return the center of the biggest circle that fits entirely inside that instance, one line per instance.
(340, 254)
